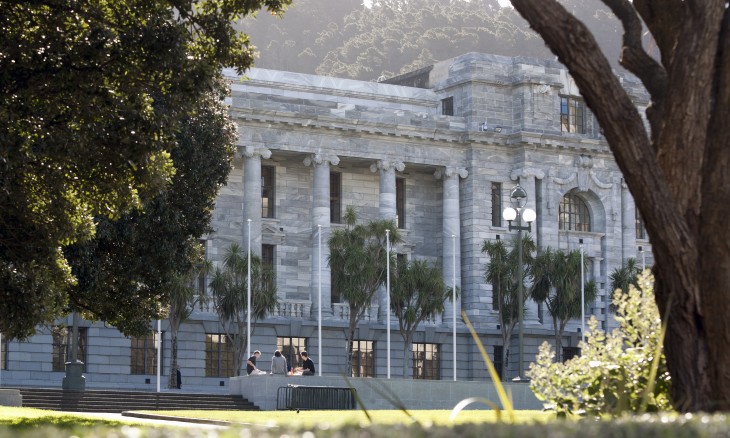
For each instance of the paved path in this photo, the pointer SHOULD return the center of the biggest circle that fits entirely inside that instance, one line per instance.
(158, 420)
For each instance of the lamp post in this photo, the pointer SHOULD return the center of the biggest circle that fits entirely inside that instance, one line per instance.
(582, 296)
(387, 299)
(518, 199)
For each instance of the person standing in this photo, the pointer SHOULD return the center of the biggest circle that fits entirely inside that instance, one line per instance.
(178, 376)
(307, 364)
(251, 362)
(278, 364)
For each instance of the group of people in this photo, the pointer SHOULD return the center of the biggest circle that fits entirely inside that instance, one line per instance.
(280, 366)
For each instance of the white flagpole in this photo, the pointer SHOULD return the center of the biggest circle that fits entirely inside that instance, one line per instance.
(387, 305)
(159, 352)
(319, 316)
(248, 296)
(453, 297)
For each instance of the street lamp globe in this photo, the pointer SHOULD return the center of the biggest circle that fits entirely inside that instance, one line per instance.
(529, 215)
(509, 214)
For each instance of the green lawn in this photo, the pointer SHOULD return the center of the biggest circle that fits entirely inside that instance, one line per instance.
(29, 417)
(288, 419)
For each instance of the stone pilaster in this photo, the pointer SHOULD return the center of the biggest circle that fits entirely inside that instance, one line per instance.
(252, 196)
(321, 223)
(387, 211)
(451, 226)
(628, 224)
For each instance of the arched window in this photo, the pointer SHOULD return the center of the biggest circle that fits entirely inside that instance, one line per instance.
(574, 214)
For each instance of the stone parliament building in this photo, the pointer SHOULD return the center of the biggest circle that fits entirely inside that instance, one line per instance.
(438, 150)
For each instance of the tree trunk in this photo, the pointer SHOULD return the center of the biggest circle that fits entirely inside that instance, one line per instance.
(678, 177)
(172, 381)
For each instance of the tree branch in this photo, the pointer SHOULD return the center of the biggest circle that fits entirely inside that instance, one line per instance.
(635, 59)
(660, 16)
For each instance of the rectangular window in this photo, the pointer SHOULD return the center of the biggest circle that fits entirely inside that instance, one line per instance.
(426, 361)
(572, 115)
(640, 228)
(447, 106)
(143, 358)
(202, 284)
(218, 356)
(495, 295)
(4, 353)
(267, 258)
(400, 202)
(335, 197)
(290, 349)
(497, 360)
(570, 352)
(363, 359)
(496, 204)
(268, 174)
(62, 346)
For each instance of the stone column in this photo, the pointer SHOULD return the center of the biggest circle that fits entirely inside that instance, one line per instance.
(628, 224)
(321, 217)
(451, 226)
(252, 196)
(387, 211)
(526, 177)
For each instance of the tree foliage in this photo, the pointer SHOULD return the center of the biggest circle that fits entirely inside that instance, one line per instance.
(502, 274)
(556, 282)
(625, 276)
(676, 165)
(417, 293)
(614, 373)
(127, 272)
(84, 139)
(358, 263)
(229, 287)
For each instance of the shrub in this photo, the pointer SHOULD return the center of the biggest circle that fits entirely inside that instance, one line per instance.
(616, 372)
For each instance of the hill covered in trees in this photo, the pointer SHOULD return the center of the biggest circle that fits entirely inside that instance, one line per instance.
(345, 38)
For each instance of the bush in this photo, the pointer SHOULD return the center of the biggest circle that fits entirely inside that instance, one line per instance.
(615, 372)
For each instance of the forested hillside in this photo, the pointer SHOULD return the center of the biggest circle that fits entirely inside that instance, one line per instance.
(344, 38)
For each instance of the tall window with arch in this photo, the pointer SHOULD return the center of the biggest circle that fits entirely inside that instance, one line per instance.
(574, 214)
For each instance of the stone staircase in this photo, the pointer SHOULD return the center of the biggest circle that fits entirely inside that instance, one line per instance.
(120, 401)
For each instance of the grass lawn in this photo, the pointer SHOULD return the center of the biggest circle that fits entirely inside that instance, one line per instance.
(29, 417)
(288, 419)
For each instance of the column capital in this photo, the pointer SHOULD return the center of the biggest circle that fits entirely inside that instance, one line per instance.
(320, 159)
(448, 172)
(387, 165)
(526, 172)
(250, 152)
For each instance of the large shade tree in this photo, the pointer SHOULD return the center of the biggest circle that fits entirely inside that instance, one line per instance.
(417, 294)
(502, 274)
(358, 259)
(677, 167)
(229, 289)
(82, 137)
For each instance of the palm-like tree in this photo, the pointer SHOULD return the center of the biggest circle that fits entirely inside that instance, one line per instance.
(502, 273)
(358, 262)
(229, 290)
(623, 277)
(417, 293)
(556, 282)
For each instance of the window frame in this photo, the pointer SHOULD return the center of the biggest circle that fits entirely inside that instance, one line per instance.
(497, 354)
(496, 204)
(578, 214)
(573, 115)
(640, 227)
(220, 358)
(268, 192)
(290, 347)
(447, 106)
(61, 348)
(335, 197)
(5, 344)
(358, 354)
(400, 202)
(430, 369)
(147, 368)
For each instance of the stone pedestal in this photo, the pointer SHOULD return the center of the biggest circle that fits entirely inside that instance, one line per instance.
(74, 379)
